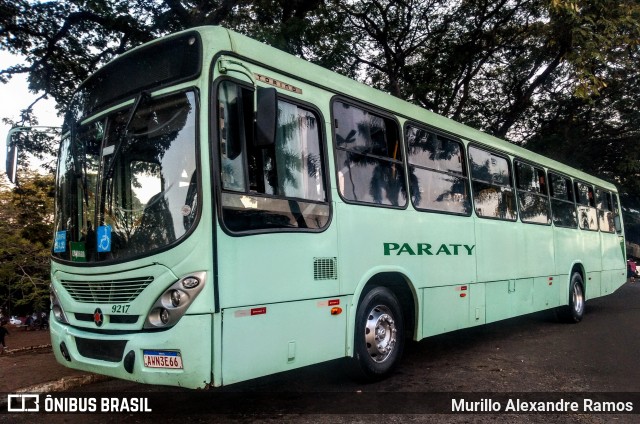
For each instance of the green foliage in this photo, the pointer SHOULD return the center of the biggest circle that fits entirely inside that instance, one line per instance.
(25, 238)
(559, 76)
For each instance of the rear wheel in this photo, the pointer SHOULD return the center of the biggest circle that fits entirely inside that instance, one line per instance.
(574, 311)
(379, 335)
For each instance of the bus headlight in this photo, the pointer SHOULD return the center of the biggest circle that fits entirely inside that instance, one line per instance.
(175, 298)
(56, 308)
(174, 302)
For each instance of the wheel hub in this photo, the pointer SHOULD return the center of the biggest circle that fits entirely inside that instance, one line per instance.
(380, 333)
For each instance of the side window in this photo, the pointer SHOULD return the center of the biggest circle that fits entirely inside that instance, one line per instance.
(587, 214)
(532, 194)
(492, 185)
(562, 201)
(616, 213)
(369, 157)
(605, 211)
(437, 176)
(274, 187)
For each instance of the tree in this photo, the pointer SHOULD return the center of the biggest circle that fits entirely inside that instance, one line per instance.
(558, 76)
(25, 238)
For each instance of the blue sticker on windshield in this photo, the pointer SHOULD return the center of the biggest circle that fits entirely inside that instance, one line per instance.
(104, 238)
(60, 243)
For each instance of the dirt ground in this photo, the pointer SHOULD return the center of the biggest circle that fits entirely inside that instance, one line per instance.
(19, 338)
(28, 360)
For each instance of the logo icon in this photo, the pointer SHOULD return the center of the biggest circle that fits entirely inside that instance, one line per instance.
(23, 403)
(98, 318)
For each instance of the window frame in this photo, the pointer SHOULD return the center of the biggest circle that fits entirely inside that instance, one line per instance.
(517, 161)
(401, 163)
(465, 166)
(608, 195)
(591, 205)
(615, 202)
(505, 156)
(552, 198)
(215, 162)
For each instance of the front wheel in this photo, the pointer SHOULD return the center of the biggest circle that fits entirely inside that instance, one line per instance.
(574, 311)
(379, 335)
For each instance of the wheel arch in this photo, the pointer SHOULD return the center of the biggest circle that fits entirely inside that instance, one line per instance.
(579, 268)
(403, 289)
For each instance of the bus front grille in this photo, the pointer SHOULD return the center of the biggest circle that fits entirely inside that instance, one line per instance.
(107, 291)
(104, 350)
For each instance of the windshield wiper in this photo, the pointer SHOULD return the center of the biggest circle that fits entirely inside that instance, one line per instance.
(142, 98)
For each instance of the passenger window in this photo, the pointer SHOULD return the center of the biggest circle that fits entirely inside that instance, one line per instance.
(562, 203)
(532, 194)
(369, 157)
(605, 211)
(272, 187)
(437, 175)
(616, 211)
(492, 187)
(587, 213)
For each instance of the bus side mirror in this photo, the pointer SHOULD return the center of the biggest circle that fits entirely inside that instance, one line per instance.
(12, 156)
(266, 117)
(617, 223)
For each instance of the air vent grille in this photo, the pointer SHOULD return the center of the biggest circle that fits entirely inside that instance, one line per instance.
(325, 268)
(108, 291)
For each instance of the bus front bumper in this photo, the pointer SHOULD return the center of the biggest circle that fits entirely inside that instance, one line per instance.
(180, 356)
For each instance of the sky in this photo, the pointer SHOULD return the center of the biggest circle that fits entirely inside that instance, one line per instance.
(15, 96)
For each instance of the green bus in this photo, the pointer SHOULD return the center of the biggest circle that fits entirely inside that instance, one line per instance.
(226, 211)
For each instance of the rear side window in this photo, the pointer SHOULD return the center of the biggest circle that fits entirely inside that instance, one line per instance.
(437, 175)
(369, 157)
(605, 211)
(587, 214)
(492, 185)
(532, 194)
(616, 212)
(562, 201)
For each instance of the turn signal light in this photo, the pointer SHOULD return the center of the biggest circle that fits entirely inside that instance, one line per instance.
(336, 311)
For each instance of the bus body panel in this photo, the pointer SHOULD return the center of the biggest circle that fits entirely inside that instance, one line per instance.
(428, 250)
(265, 339)
(499, 249)
(276, 267)
(195, 354)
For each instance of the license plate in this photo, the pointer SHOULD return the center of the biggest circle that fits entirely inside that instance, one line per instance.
(162, 359)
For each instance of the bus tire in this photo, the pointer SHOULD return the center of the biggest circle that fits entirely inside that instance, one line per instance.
(574, 311)
(379, 335)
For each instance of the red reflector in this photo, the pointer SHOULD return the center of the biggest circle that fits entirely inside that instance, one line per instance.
(336, 311)
(334, 302)
(463, 295)
(259, 311)
(463, 288)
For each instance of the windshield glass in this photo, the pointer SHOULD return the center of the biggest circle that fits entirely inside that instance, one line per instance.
(127, 182)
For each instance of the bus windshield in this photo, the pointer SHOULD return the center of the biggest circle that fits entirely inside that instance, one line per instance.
(127, 182)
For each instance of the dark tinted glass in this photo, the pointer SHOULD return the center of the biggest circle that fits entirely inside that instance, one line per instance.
(494, 201)
(371, 180)
(369, 157)
(564, 213)
(431, 190)
(166, 62)
(488, 167)
(561, 187)
(434, 151)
